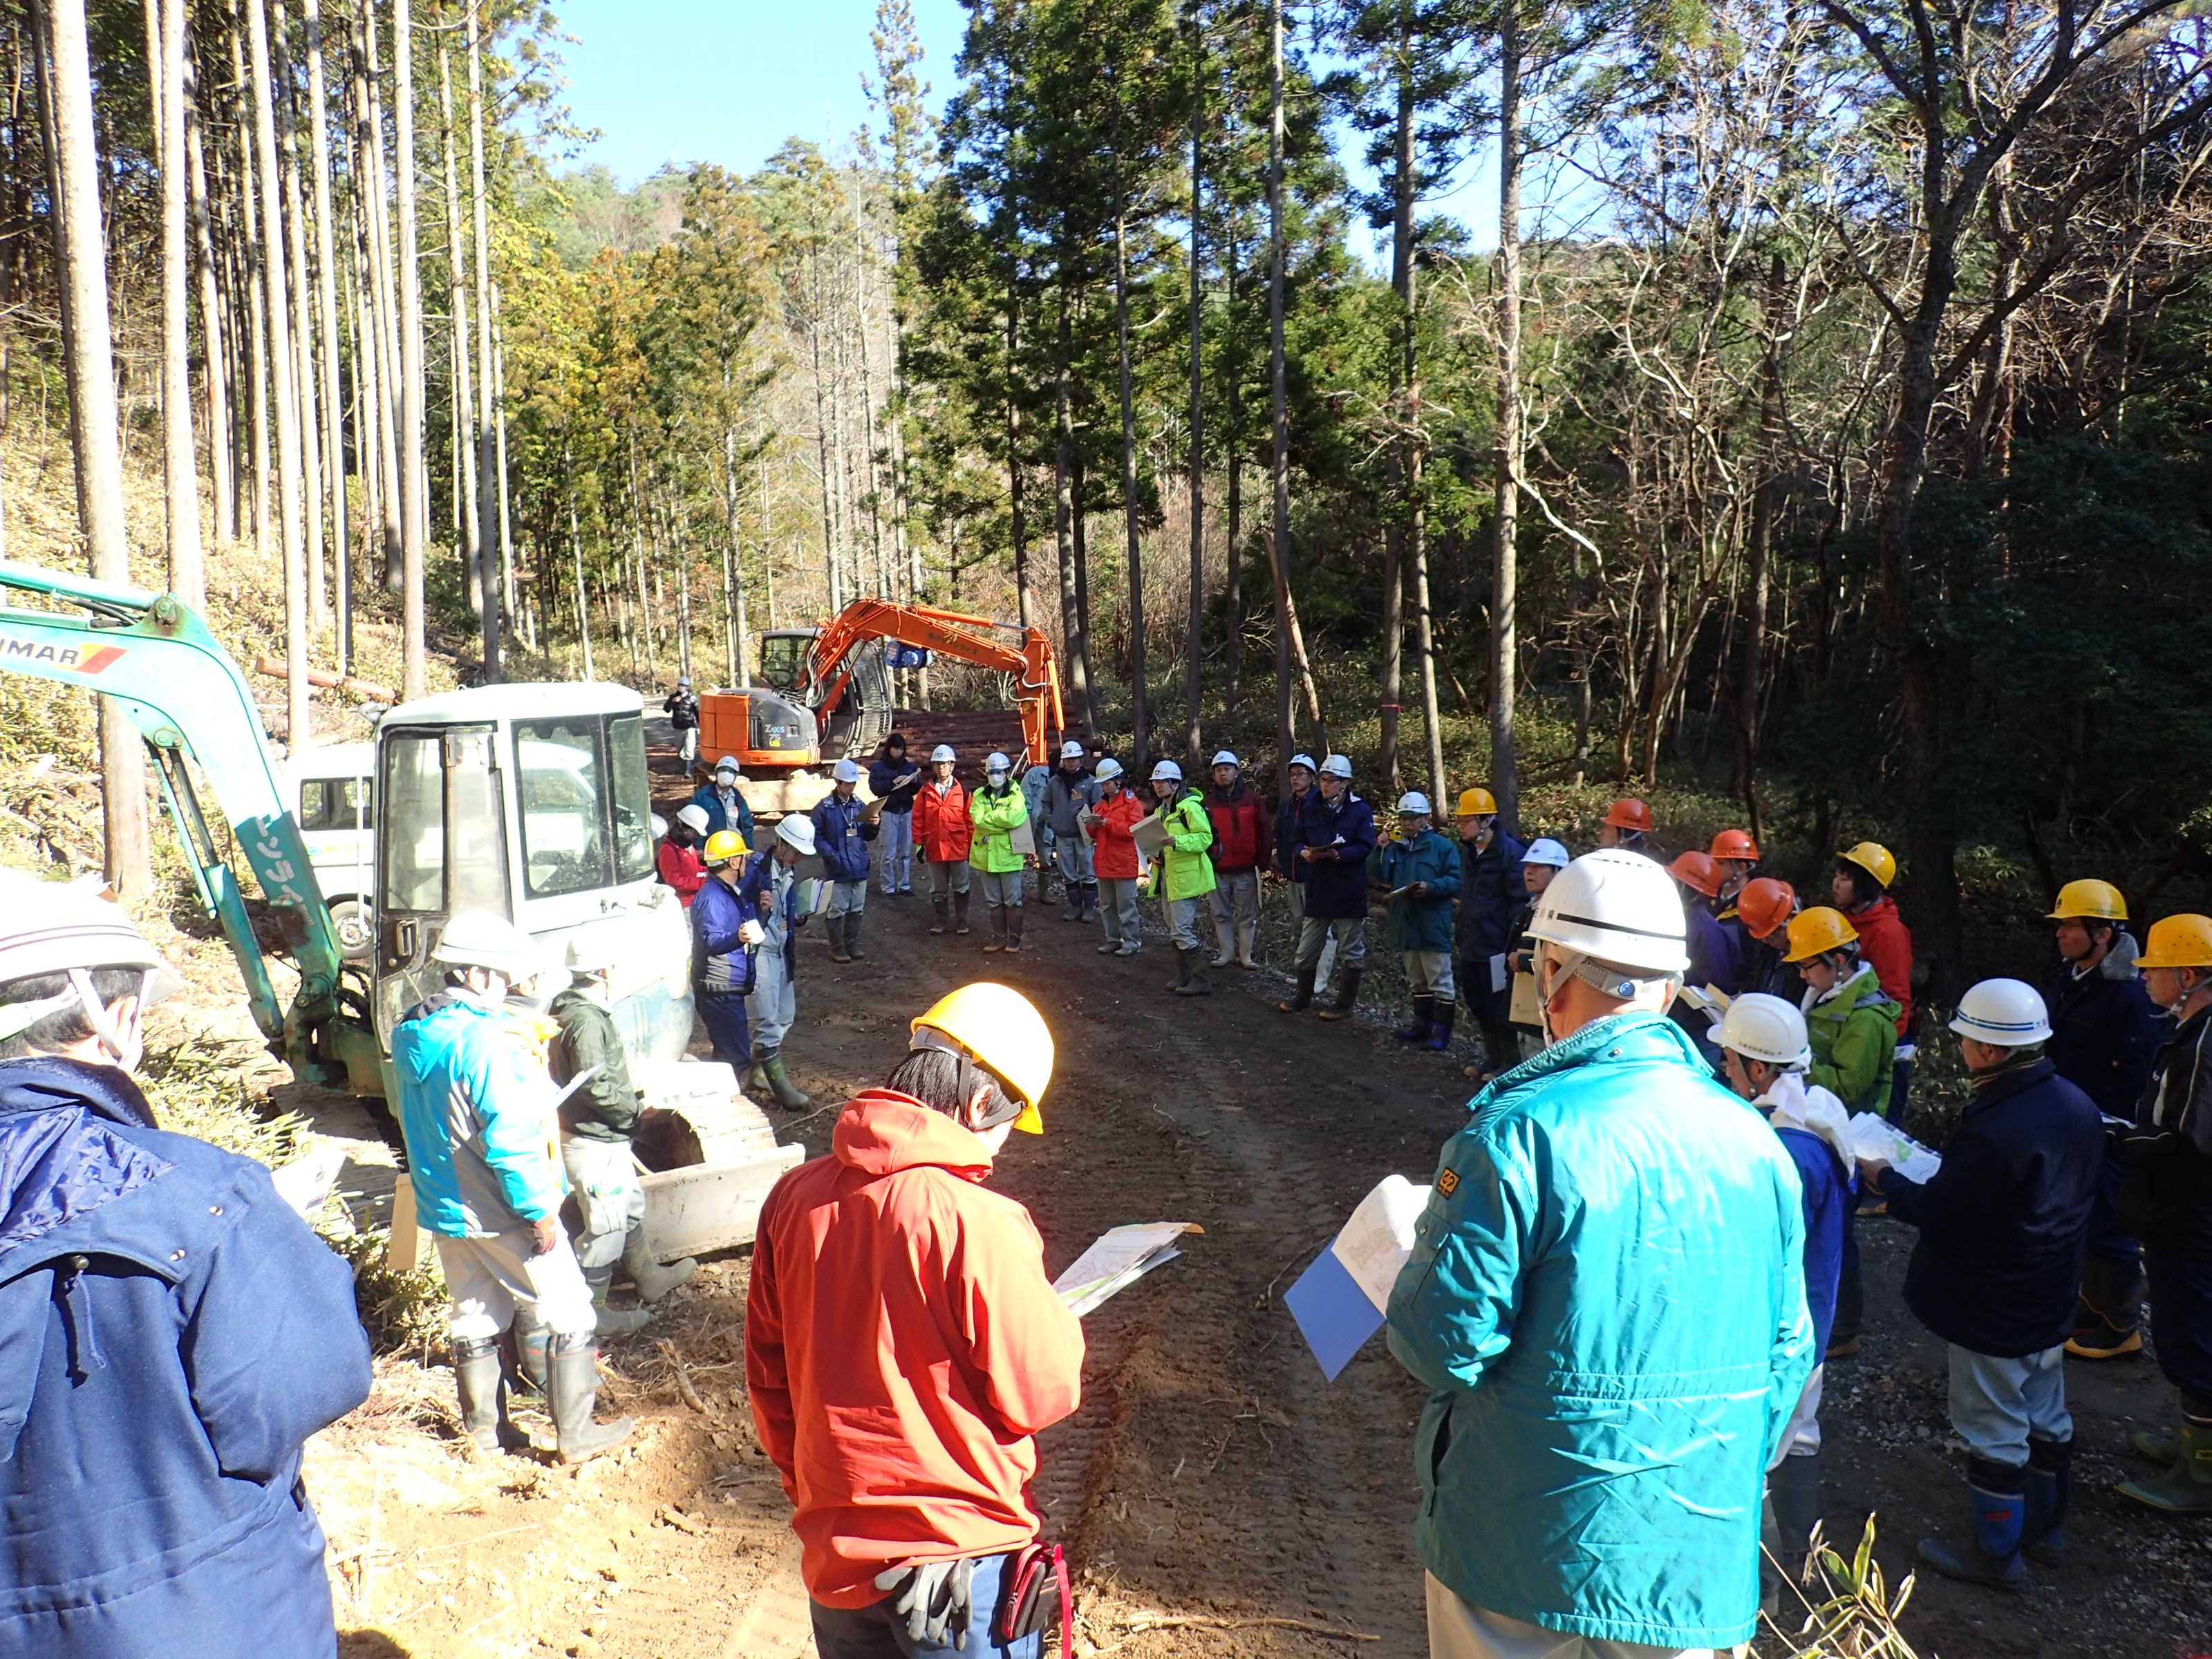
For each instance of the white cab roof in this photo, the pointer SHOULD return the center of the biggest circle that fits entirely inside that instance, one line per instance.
(522, 701)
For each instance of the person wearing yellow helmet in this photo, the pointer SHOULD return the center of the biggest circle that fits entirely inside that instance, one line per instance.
(721, 957)
(2103, 1034)
(1490, 892)
(903, 1346)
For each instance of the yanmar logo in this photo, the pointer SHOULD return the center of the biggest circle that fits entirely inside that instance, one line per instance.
(21, 654)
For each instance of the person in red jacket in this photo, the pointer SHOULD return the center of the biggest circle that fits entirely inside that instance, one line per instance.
(1115, 861)
(903, 1346)
(679, 858)
(1861, 888)
(941, 833)
(1243, 831)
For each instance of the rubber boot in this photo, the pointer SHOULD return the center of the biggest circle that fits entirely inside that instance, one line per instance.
(937, 921)
(527, 1339)
(1198, 985)
(613, 1322)
(960, 913)
(787, 1094)
(1072, 909)
(998, 940)
(478, 1379)
(853, 919)
(1347, 993)
(1302, 998)
(653, 1280)
(2050, 1495)
(1425, 1020)
(1014, 927)
(1183, 967)
(1225, 939)
(2157, 1447)
(1440, 1033)
(838, 949)
(574, 1378)
(1090, 902)
(2187, 1487)
(1991, 1554)
(2108, 1323)
(1793, 1505)
(1248, 936)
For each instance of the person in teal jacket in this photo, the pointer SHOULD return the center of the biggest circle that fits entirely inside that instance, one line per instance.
(1606, 1299)
(1420, 871)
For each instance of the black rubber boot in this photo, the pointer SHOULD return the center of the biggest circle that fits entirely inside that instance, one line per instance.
(836, 927)
(853, 934)
(613, 1322)
(482, 1389)
(2050, 1495)
(653, 1280)
(1089, 901)
(1425, 1020)
(1301, 998)
(998, 940)
(1347, 993)
(787, 1094)
(1182, 968)
(1200, 983)
(960, 912)
(936, 922)
(2108, 1323)
(575, 1386)
(1014, 928)
(1793, 1499)
(1440, 1033)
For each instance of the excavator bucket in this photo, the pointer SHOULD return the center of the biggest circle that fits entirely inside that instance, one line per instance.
(712, 1156)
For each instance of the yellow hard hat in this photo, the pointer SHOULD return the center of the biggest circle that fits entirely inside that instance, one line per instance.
(2091, 900)
(723, 846)
(2182, 941)
(1001, 1028)
(1874, 858)
(1477, 803)
(1816, 932)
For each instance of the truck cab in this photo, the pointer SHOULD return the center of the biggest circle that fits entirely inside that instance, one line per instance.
(332, 790)
(532, 802)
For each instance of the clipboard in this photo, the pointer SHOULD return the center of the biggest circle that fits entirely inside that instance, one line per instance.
(1523, 1010)
(1150, 835)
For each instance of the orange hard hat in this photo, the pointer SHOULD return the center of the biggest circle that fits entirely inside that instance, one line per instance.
(1765, 905)
(1696, 872)
(1736, 844)
(1629, 813)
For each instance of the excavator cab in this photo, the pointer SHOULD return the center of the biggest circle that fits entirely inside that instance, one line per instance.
(784, 654)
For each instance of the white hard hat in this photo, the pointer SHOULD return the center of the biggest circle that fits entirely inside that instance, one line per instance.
(1306, 761)
(1412, 803)
(796, 829)
(1071, 750)
(694, 815)
(477, 938)
(1336, 766)
(1166, 769)
(1108, 768)
(1616, 907)
(659, 828)
(848, 771)
(942, 752)
(2005, 1013)
(1222, 757)
(996, 761)
(51, 926)
(590, 949)
(1761, 1027)
(727, 763)
(1545, 850)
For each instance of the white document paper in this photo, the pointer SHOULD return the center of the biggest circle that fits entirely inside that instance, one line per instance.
(1117, 1259)
(1877, 1139)
(1379, 1237)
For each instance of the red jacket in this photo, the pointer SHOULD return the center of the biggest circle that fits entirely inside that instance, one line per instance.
(941, 828)
(1244, 824)
(1113, 854)
(680, 868)
(1887, 948)
(902, 1347)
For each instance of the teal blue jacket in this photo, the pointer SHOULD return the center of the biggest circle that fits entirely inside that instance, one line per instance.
(474, 1115)
(1422, 923)
(1607, 1301)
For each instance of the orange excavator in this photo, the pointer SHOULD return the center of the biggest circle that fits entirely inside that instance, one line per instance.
(826, 689)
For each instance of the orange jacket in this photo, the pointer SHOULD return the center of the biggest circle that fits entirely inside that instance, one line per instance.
(903, 1346)
(1113, 854)
(1886, 947)
(941, 828)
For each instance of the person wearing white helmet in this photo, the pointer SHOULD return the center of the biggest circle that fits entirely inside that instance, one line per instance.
(999, 809)
(487, 1185)
(681, 707)
(1298, 774)
(1183, 873)
(1764, 1055)
(724, 802)
(2003, 1224)
(1609, 1212)
(843, 827)
(770, 897)
(1115, 861)
(944, 836)
(1336, 835)
(677, 860)
(1420, 870)
(171, 1331)
(1069, 793)
(1543, 860)
(1243, 833)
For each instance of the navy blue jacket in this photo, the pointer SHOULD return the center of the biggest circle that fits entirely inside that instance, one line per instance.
(1828, 1204)
(171, 1332)
(2166, 1156)
(886, 775)
(720, 966)
(2004, 1223)
(1287, 843)
(1490, 893)
(1337, 887)
(2103, 1030)
(841, 834)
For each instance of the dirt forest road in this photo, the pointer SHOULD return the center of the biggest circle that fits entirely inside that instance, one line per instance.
(1219, 1496)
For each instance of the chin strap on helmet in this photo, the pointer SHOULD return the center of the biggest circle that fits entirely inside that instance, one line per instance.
(1556, 965)
(973, 1080)
(125, 1051)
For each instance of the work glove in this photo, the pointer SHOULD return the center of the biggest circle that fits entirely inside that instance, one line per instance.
(934, 1598)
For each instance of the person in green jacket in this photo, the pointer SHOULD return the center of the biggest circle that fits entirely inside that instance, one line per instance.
(1420, 870)
(1183, 875)
(1852, 1022)
(996, 810)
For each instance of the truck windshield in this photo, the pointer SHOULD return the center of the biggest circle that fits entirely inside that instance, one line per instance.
(633, 798)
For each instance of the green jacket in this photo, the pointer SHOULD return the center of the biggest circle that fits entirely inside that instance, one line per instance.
(996, 814)
(1186, 871)
(1853, 1035)
(606, 1107)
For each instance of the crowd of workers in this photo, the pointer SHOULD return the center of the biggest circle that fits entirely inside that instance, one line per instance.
(171, 1332)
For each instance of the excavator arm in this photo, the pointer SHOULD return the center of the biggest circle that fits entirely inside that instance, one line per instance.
(158, 661)
(949, 633)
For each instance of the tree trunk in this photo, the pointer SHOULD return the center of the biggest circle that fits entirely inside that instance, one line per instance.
(81, 256)
(1278, 530)
(180, 469)
(214, 323)
(326, 299)
(1504, 563)
(1194, 642)
(467, 520)
(499, 435)
(301, 324)
(1402, 374)
(1765, 505)
(485, 373)
(1064, 510)
(374, 195)
(414, 477)
(1140, 716)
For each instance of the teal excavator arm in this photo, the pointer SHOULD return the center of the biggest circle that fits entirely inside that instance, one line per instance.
(158, 661)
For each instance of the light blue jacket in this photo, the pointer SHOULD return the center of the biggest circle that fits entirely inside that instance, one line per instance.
(473, 1112)
(1607, 1299)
